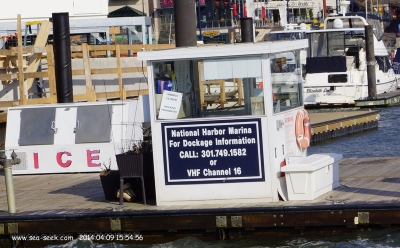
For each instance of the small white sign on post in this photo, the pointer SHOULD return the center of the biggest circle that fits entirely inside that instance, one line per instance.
(170, 105)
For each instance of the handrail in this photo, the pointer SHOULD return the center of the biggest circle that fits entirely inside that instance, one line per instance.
(344, 17)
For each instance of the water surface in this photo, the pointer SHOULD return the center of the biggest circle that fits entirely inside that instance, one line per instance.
(384, 141)
(359, 239)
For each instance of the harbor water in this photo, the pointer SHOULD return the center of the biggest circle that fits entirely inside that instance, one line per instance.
(381, 142)
(358, 239)
(384, 141)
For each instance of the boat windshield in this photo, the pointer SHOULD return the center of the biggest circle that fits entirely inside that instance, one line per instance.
(286, 36)
(327, 44)
(359, 23)
(339, 43)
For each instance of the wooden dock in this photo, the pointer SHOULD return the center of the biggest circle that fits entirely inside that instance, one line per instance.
(331, 125)
(74, 204)
(382, 100)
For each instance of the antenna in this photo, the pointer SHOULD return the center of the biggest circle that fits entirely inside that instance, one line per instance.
(344, 5)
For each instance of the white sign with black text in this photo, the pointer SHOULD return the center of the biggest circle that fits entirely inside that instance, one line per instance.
(170, 105)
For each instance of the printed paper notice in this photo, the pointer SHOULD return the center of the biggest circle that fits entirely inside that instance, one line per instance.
(290, 136)
(170, 105)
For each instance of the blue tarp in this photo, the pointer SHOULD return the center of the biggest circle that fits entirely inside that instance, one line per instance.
(397, 57)
(396, 62)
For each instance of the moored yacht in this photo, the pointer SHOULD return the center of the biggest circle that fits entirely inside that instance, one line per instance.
(336, 66)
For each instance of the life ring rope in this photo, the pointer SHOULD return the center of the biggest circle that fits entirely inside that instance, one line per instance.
(303, 129)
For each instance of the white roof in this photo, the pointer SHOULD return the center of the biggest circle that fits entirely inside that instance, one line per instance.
(223, 50)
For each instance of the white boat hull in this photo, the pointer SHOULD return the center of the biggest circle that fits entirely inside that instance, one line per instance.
(317, 90)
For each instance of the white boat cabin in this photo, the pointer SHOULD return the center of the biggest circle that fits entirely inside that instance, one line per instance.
(335, 64)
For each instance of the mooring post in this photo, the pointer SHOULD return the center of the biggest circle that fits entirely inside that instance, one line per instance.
(7, 164)
(246, 29)
(370, 56)
(185, 23)
(62, 57)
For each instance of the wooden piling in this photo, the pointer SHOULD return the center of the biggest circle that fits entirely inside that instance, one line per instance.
(370, 56)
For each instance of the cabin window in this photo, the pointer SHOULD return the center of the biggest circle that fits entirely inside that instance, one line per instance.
(336, 44)
(383, 62)
(286, 80)
(337, 78)
(317, 46)
(208, 88)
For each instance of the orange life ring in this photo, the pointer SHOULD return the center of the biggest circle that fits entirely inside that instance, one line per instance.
(303, 129)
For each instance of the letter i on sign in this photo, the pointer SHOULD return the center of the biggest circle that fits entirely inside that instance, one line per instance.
(35, 160)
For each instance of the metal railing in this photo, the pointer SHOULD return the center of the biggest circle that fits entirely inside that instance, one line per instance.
(168, 22)
(265, 24)
(224, 23)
